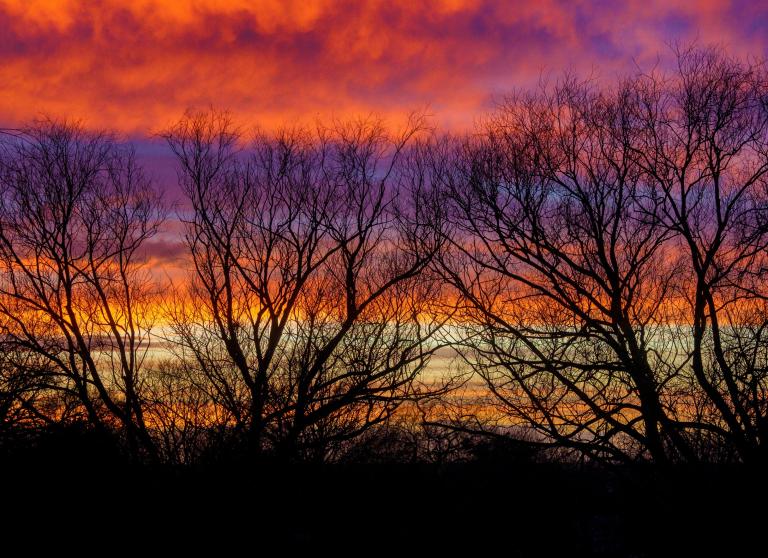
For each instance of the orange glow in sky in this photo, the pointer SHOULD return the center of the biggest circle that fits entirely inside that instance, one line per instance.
(136, 66)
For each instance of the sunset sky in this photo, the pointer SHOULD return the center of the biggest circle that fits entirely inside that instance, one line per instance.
(136, 66)
(241, 237)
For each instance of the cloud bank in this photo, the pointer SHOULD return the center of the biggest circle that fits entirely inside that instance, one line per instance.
(137, 66)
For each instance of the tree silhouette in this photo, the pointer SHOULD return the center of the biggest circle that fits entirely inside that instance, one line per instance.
(594, 253)
(605, 248)
(76, 209)
(309, 311)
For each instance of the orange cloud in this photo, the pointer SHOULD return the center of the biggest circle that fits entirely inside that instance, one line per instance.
(136, 66)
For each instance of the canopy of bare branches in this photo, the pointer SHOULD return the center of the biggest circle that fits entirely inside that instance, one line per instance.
(583, 275)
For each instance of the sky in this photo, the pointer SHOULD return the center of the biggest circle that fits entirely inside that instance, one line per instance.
(136, 66)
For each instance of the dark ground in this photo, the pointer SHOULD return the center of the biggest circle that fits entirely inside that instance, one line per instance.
(71, 495)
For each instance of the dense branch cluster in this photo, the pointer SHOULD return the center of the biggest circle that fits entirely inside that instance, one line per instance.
(593, 257)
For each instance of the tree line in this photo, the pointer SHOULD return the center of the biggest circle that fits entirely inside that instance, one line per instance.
(592, 258)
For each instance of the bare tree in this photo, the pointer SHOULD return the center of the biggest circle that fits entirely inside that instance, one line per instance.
(557, 263)
(573, 211)
(309, 309)
(23, 395)
(75, 210)
(704, 148)
(188, 423)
